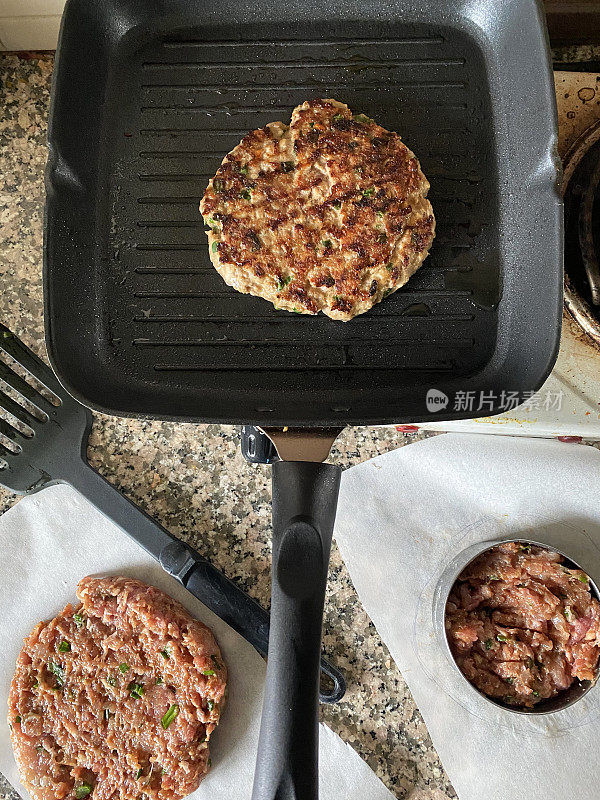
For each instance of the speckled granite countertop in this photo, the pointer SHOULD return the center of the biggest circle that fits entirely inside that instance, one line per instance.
(193, 479)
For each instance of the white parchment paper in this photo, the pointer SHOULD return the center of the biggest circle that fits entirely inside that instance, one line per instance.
(402, 518)
(51, 540)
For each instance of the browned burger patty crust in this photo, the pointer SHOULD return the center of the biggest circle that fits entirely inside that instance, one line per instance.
(327, 214)
(522, 626)
(116, 698)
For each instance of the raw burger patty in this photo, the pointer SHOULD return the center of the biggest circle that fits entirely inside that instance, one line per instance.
(117, 697)
(327, 214)
(522, 626)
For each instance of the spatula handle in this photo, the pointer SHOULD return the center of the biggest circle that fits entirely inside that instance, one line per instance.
(304, 505)
(199, 576)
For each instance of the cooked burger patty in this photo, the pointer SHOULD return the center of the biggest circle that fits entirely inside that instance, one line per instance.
(327, 214)
(522, 626)
(116, 698)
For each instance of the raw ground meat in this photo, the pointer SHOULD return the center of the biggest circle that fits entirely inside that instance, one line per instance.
(116, 698)
(522, 626)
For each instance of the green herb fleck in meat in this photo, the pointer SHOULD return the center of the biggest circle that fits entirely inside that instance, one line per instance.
(169, 717)
(111, 680)
(208, 672)
(136, 690)
(389, 266)
(79, 620)
(246, 194)
(165, 654)
(361, 118)
(123, 667)
(215, 247)
(64, 647)
(510, 681)
(368, 192)
(139, 774)
(210, 704)
(218, 185)
(488, 644)
(525, 548)
(535, 693)
(337, 204)
(283, 282)
(327, 243)
(583, 578)
(501, 637)
(386, 292)
(59, 673)
(338, 116)
(17, 720)
(244, 169)
(82, 790)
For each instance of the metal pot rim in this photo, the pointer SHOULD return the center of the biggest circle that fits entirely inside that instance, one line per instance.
(564, 699)
(577, 306)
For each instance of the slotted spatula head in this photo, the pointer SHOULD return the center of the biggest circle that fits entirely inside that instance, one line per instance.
(41, 426)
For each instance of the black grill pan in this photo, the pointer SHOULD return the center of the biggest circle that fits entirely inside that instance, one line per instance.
(148, 97)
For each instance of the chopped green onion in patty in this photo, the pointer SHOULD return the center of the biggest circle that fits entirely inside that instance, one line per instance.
(136, 689)
(58, 672)
(169, 717)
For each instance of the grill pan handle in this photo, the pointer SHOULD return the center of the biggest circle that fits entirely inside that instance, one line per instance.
(304, 504)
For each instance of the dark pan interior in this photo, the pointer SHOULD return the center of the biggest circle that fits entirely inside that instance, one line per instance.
(160, 333)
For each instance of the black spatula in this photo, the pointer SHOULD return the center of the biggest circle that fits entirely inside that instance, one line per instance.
(43, 438)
